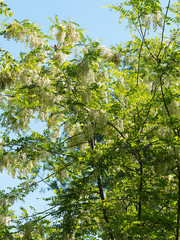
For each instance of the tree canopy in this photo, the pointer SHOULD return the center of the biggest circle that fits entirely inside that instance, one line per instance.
(111, 146)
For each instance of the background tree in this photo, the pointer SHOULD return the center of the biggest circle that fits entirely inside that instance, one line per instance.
(111, 146)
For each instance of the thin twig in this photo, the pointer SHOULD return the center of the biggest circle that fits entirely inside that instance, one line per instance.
(143, 38)
(139, 59)
(54, 173)
(163, 29)
(116, 129)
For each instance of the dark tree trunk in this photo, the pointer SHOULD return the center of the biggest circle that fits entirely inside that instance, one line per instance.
(178, 208)
(101, 192)
(140, 192)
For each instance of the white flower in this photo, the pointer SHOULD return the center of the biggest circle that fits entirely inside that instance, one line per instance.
(86, 78)
(99, 116)
(164, 132)
(90, 78)
(55, 134)
(23, 157)
(22, 37)
(76, 53)
(174, 108)
(58, 98)
(45, 81)
(13, 173)
(157, 21)
(119, 124)
(85, 96)
(60, 36)
(60, 57)
(52, 31)
(5, 220)
(170, 177)
(72, 34)
(177, 152)
(35, 41)
(106, 53)
(147, 20)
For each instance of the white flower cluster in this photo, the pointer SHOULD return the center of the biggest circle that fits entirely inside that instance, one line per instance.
(69, 236)
(12, 160)
(72, 34)
(9, 200)
(18, 32)
(67, 32)
(99, 117)
(6, 220)
(24, 118)
(46, 99)
(70, 129)
(157, 20)
(147, 20)
(177, 152)
(86, 77)
(61, 34)
(43, 115)
(5, 163)
(85, 96)
(56, 133)
(17, 124)
(11, 32)
(52, 31)
(54, 120)
(28, 76)
(26, 187)
(174, 108)
(35, 41)
(170, 177)
(59, 56)
(164, 132)
(108, 55)
(76, 136)
(43, 100)
(119, 124)
(79, 135)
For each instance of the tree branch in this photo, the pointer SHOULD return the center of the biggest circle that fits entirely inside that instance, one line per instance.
(163, 29)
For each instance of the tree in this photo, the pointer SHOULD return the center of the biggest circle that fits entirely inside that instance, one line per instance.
(111, 146)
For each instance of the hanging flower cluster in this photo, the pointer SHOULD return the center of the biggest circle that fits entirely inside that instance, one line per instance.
(61, 34)
(108, 55)
(23, 32)
(66, 33)
(155, 18)
(6, 220)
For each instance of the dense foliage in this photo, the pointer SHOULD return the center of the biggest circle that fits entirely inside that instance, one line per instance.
(112, 142)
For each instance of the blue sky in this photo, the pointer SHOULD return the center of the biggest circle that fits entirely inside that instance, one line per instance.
(90, 14)
(100, 22)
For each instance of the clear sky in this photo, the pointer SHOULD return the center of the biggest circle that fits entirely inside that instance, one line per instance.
(100, 22)
(89, 14)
